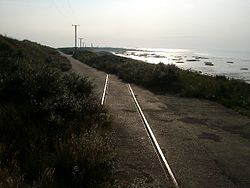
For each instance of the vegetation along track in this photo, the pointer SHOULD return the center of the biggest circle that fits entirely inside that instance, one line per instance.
(164, 163)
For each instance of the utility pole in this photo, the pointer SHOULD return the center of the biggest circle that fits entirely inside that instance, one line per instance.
(81, 42)
(75, 25)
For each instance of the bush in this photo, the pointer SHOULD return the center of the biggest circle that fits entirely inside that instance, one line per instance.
(83, 160)
(12, 50)
(49, 124)
(161, 78)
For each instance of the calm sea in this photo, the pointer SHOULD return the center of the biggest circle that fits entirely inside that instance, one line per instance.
(232, 64)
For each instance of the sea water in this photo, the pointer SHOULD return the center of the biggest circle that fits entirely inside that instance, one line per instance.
(232, 64)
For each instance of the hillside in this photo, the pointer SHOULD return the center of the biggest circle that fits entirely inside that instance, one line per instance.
(50, 121)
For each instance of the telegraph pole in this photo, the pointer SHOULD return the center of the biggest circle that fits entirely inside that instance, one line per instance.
(81, 42)
(75, 25)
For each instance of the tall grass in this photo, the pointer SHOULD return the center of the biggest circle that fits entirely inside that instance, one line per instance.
(161, 78)
(50, 122)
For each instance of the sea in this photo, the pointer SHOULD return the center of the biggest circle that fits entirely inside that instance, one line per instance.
(232, 64)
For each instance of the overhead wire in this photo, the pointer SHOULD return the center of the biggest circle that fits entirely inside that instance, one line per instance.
(70, 7)
(62, 13)
(58, 9)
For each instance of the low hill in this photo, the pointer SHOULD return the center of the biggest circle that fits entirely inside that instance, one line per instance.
(50, 121)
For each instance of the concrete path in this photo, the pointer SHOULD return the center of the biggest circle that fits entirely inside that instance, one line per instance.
(206, 144)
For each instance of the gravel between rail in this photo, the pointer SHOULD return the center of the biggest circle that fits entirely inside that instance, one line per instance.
(206, 144)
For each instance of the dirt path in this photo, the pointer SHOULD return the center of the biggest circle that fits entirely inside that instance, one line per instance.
(206, 144)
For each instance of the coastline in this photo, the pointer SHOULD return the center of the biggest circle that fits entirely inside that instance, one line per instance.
(219, 65)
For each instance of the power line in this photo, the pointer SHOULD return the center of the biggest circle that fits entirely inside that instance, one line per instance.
(70, 7)
(57, 8)
(61, 12)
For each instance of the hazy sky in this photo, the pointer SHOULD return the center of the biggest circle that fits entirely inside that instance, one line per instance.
(215, 24)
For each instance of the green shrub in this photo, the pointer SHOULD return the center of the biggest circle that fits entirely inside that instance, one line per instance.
(13, 50)
(11, 177)
(164, 79)
(83, 160)
(49, 123)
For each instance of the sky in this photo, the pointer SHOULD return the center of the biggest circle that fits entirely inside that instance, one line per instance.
(195, 24)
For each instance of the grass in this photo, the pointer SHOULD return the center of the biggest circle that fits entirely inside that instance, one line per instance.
(51, 122)
(169, 79)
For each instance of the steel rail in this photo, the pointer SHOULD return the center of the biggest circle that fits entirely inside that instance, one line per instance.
(104, 90)
(155, 143)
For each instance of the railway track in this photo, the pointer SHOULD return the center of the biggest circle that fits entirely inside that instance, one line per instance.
(105, 90)
(162, 159)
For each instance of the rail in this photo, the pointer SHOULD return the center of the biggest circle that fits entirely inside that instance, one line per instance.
(105, 90)
(154, 141)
